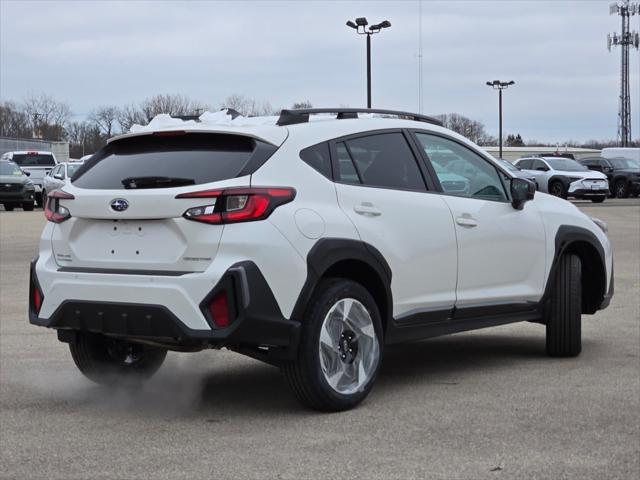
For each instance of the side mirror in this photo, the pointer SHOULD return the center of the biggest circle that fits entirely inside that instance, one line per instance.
(58, 176)
(522, 190)
(26, 172)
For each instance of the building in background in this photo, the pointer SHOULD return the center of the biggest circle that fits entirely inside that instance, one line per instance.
(59, 149)
(513, 153)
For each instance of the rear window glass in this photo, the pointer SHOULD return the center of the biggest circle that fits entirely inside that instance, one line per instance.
(151, 161)
(34, 159)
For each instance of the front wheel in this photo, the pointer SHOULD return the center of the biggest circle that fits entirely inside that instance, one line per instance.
(8, 207)
(108, 361)
(557, 189)
(340, 347)
(563, 319)
(598, 199)
(39, 200)
(27, 206)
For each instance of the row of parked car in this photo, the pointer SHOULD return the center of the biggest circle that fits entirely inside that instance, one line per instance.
(592, 178)
(27, 177)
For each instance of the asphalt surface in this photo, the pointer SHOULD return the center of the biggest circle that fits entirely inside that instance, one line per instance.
(486, 404)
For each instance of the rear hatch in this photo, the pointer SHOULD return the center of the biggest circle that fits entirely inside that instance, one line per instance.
(38, 164)
(125, 215)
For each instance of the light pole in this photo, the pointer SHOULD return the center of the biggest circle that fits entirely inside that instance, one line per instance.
(498, 85)
(360, 26)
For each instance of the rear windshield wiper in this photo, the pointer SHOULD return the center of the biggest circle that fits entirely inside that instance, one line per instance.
(156, 182)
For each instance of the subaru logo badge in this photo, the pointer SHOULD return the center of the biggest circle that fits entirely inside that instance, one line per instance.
(119, 205)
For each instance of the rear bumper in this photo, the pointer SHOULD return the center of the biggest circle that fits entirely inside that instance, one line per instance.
(257, 326)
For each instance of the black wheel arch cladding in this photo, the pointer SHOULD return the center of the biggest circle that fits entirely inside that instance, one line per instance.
(352, 259)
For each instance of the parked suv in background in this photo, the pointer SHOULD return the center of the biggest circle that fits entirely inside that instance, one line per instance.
(58, 177)
(16, 189)
(563, 177)
(623, 174)
(37, 163)
(308, 245)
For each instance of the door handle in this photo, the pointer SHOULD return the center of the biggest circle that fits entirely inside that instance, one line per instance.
(466, 221)
(366, 208)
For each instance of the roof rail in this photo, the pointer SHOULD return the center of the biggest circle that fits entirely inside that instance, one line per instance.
(291, 117)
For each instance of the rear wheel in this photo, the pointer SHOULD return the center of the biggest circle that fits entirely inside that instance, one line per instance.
(563, 319)
(340, 347)
(598, 199)
(621, 189)
(557, 189)
(108, 361)
(8, 207)
(39, 198)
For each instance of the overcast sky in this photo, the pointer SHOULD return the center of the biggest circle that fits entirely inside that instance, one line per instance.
(108, 52)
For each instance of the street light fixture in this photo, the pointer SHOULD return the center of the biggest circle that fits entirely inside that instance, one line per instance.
(498, 85)
(360, 26)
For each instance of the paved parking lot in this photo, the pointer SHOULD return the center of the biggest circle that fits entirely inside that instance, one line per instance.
(486, 404)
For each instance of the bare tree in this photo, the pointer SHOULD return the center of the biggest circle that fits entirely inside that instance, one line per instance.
(466, 127)
(48, 117)
(249, 107)
(130, 115)
(171, 104)
(14, 122)
(303, 104)
(105, 119)
(84, 138)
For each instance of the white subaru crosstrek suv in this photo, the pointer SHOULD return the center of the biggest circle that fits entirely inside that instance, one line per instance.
(310, 245)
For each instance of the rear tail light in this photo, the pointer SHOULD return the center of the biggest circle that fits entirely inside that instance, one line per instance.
(53, 211)
(235, 205)
(219, 310)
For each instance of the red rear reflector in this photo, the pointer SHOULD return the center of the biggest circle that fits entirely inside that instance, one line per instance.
(219, 310)
(37, 299)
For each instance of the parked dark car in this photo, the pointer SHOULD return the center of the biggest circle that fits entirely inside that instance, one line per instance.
(16, 190)
(623, 174)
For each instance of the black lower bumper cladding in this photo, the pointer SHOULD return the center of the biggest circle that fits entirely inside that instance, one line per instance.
(256, 324)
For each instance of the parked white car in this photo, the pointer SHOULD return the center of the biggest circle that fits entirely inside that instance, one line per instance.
(309, 245)
(564, 177)
(58, 177)
(37, 163)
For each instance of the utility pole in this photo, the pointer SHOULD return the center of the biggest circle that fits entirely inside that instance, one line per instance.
(36, 131)
(625, 40)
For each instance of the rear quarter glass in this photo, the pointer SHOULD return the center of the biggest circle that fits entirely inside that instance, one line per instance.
(196, 158)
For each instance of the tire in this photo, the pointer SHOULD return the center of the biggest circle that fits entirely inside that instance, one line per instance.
(621, 189)
(352, 347)
(557, 189)
(8, 208)
(112, 362)
(44, 198)
(563, 319)
(598, 199)
(39, 200)
(28, 206)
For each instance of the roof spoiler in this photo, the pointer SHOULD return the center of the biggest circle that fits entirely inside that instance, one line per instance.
(292, 117)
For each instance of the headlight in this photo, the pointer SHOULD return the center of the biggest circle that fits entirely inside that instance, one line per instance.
(574, 179)
(602, 225)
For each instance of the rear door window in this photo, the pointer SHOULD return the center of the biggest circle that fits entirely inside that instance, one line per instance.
(34, 159)
(151, 161)
(385, 160)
